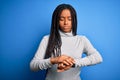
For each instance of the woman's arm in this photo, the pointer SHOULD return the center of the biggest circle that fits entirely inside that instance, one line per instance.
(93, 56)
(38, 62)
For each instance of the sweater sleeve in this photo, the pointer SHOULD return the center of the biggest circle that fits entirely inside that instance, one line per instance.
(93, 56)
(38, 62)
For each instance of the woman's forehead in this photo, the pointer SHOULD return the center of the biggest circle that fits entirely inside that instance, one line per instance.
(65, 12)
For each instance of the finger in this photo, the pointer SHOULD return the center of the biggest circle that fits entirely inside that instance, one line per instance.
(66, 63)
(70, 62)
(64, 69)
(61, 58)
(60, 70)
(70, 58)
(61, 66)
(67, 68)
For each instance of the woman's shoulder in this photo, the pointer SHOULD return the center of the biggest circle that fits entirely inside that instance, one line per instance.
(81, 36)
(45, 37)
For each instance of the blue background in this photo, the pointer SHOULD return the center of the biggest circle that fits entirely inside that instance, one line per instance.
(23, 23)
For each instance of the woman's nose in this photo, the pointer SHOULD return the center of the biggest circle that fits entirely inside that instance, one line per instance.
(66, 22)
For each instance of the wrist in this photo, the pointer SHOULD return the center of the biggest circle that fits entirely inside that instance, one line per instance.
(54, 60)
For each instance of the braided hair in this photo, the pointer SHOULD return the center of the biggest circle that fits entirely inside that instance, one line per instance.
(54, 42)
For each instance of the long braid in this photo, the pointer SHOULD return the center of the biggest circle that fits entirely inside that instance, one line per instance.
(54, 43)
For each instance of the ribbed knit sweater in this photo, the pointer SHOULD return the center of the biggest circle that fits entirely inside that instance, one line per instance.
(73, 46)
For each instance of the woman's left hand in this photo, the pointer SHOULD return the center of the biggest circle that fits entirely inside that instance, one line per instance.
(62, 67)
(65, 65)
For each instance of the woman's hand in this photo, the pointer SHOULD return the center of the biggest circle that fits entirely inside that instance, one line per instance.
(66, 64)
(59, 59)
(62, 69)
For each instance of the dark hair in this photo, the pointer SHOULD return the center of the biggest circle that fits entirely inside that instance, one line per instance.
(54, 43)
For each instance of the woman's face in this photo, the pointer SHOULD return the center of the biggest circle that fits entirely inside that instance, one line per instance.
(65, 21)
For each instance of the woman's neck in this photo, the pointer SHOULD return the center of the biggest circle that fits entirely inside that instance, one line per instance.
(65, 34)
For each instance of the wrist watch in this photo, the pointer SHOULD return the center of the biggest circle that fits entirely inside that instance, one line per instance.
(73, 65)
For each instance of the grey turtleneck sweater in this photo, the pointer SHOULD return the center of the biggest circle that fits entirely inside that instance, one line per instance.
(73, 46)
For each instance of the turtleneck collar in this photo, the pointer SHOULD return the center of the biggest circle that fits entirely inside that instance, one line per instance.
(63, 34)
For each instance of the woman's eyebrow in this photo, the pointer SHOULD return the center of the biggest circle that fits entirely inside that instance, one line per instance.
(65, 16)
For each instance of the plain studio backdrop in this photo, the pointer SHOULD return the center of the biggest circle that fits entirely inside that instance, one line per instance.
(23, 23)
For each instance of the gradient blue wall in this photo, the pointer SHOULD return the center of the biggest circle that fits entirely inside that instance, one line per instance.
(23, 23)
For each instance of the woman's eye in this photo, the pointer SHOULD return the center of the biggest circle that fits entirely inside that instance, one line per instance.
(69, 19)
(61, 19)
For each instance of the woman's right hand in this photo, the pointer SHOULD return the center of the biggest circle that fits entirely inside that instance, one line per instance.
(59, 59)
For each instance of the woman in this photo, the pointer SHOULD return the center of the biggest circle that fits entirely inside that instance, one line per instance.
(61, 51)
